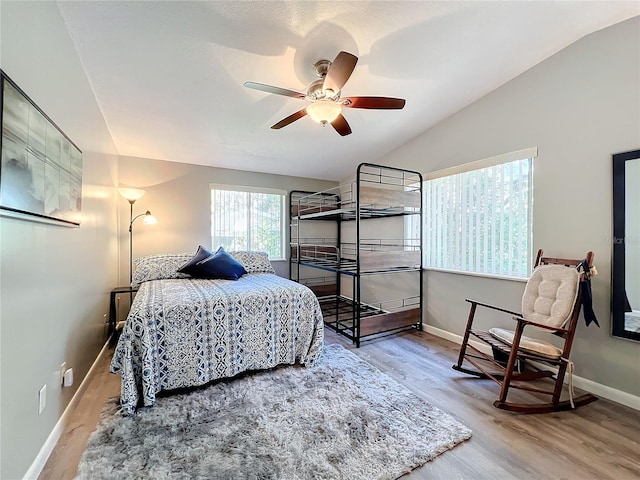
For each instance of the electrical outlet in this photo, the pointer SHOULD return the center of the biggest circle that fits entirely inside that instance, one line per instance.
(68, 378)
(42, 399)
(63, 367)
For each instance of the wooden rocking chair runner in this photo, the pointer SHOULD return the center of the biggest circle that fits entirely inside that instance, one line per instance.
(551, 302)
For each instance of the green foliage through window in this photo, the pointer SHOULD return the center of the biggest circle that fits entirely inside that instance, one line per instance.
(247, 220)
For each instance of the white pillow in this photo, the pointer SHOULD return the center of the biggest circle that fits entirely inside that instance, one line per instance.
(527, 343)
(253, 261)
(165, 265)
(550, 295)
(159, 266)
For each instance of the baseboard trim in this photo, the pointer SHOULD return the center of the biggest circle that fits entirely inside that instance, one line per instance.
(598, 389)
(43, 455)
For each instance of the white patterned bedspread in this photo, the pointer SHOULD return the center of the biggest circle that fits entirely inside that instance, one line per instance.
(188, 332)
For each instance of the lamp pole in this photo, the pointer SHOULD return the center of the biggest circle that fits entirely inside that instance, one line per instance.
(131, 202)
(131, 195)
(148, 219)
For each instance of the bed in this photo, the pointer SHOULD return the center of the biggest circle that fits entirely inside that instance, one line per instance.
(186, 332)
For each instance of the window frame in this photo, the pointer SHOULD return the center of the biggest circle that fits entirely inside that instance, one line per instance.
(251, 190)
(524, 154)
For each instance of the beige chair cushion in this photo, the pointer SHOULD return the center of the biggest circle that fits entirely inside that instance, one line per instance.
(550, 295)
(527, 344)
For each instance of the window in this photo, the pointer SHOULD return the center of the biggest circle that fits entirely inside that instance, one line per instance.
(478, 216)
(247, 218)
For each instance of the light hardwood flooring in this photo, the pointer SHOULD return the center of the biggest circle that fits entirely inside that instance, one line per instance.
(598, 441)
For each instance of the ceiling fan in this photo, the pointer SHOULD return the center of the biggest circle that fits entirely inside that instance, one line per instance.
(324, 94)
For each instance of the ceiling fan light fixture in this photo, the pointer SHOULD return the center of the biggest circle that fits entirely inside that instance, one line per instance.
(324, 111)
(324, 95)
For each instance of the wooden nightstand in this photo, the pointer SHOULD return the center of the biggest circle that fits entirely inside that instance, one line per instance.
(113, 314)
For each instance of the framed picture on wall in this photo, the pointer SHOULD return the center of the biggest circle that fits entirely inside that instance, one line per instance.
(41, 169)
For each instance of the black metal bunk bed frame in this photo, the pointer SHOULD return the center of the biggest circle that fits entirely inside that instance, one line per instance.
(342, 313)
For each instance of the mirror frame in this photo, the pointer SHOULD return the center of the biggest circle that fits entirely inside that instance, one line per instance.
(618, 251)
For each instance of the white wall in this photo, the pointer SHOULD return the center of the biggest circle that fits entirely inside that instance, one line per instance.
(578, 107)
(54, 280)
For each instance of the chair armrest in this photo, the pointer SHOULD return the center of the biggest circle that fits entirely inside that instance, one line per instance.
(518, 318)
(516, 314)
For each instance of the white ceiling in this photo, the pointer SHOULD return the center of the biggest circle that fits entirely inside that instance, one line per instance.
(168, 75)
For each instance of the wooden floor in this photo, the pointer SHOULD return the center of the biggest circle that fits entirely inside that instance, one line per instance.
(598, 441)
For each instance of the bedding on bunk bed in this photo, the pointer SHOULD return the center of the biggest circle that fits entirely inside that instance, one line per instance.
(185, 332)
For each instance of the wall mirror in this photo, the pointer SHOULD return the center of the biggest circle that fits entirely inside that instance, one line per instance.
(625, 282)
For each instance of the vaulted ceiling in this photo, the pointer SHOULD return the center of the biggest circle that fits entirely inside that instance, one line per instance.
(168, 76)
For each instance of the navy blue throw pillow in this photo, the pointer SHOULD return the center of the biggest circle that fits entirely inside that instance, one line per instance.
(191, 267)
(205, 264)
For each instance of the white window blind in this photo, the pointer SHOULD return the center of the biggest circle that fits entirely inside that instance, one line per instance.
(479, 221)
(246, 218)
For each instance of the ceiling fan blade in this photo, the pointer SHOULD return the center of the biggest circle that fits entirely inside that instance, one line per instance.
(341, 125)
(290, 119)
(383, 103)
(340, 71)
(277, 90)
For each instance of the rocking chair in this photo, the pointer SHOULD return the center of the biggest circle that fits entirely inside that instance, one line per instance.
(551, 302)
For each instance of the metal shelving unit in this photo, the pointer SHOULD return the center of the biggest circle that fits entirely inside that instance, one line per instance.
(344, 265)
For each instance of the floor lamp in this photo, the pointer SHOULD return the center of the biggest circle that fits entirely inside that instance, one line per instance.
(132, 195)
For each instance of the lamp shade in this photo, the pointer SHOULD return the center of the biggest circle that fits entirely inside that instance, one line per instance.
(324, 111)
(149, 219)
(131, 194)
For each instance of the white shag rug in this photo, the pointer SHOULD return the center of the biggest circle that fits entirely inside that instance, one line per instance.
(342, 419)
